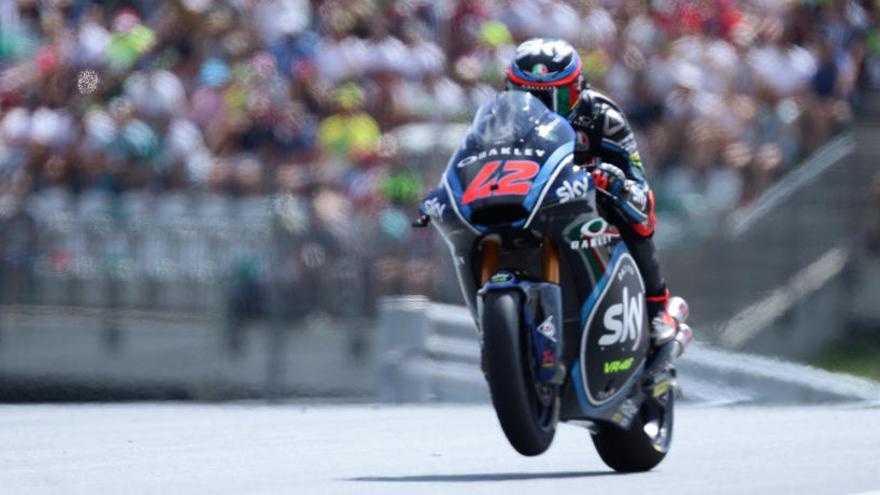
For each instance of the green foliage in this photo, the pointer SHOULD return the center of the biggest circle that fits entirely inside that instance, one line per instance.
(856, 356)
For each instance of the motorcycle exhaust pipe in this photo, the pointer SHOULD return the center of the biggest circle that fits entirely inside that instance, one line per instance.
(684, 337)
(670, 351)
(678, 309)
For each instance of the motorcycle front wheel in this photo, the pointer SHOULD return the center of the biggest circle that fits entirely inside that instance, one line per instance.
(529, 423)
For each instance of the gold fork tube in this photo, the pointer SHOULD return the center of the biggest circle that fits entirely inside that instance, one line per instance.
(550, 256)
(489, 260)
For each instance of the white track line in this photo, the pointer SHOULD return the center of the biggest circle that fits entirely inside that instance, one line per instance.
(825, 158)
(752, 320)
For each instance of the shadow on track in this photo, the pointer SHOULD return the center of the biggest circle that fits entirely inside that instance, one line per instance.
(483, 477)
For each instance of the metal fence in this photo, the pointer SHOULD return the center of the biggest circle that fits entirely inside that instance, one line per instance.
(208, 253)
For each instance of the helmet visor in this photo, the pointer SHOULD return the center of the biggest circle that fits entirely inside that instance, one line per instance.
(556, 98)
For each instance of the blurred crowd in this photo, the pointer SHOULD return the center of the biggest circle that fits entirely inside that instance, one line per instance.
(294, 104)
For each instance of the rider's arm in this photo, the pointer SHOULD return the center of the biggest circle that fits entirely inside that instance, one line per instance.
(602, 131)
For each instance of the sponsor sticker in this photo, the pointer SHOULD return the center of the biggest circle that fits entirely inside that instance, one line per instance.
(548, 359)
(501, 151)
(557, 49)
(638, 198)
(604, 394)
(625, 413)
(501, 277)
(583, 141)
(618, 365)
(624, 320)
(434, 208)
(594, 233)
(625, 271)
(548, 329)
(569, 191)
(613, 122)
(636, 159)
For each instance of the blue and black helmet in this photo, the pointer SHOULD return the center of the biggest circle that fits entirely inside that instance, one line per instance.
(550, 69)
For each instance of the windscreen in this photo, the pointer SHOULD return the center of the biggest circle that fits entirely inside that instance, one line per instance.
(509, 153)
(512, 116)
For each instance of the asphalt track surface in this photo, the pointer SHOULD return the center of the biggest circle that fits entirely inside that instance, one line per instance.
(357, 449)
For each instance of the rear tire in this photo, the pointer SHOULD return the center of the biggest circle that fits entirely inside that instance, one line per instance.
(636, 450)
(528, 424)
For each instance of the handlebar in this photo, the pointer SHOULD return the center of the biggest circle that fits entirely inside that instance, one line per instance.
(422, 221)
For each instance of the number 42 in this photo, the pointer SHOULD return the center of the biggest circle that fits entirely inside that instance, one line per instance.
(516, 179)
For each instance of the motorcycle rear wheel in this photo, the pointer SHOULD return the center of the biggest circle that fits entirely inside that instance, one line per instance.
(528, 424)
(645, 443)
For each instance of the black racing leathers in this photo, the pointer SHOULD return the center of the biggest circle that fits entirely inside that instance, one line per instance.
(603, 132)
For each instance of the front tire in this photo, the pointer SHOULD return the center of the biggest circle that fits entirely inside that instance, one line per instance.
(528, 423)
(647, 441)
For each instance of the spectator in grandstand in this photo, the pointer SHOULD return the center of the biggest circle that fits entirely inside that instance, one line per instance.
(165, 98)
(350, 133)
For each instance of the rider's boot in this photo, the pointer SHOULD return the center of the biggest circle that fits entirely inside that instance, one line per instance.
(663, 325)
(667, 316)
(670, 335)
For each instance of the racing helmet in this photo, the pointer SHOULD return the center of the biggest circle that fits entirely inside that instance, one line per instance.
(549, 69)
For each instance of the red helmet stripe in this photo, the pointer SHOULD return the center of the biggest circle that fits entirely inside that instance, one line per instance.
(523, 82)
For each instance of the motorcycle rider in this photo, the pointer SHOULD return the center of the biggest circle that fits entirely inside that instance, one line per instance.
(551, 70)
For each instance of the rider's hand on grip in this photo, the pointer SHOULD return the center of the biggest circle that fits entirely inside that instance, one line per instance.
(422, 221)
(609, 179)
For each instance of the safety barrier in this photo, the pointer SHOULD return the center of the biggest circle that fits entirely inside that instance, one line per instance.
(429, 352)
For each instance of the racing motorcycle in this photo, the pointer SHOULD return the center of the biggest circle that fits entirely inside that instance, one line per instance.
(557, 298)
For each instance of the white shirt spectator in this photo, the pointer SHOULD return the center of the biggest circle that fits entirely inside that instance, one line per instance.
(16, 125)
(442, 101)
(100, 129)
(559, 19)
(785, 70)
(51, 127)
(387, 54)
(618, 81)
(156, 94)
(541, 18)
(662, 69)
(721, 62)
(423, 57)
(92, 41)
(184, 138)
(640, 31)
(276, 18)
(339, 60)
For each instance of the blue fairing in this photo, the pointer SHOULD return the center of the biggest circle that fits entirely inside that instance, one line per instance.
(514, 128)
(546, 298)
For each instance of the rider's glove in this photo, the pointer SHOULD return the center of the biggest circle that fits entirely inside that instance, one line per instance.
(609, 179)
(627, 194)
